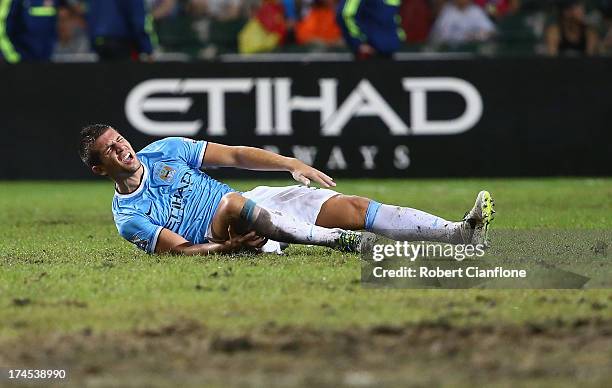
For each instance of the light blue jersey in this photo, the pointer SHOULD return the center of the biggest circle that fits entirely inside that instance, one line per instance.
(173, 194)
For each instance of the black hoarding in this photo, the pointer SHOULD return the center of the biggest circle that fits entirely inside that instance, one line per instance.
(486, 117)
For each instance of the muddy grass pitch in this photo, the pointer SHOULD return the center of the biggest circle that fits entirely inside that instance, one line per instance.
(75, 296)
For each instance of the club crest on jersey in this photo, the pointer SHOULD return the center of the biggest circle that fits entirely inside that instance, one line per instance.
(166, 173)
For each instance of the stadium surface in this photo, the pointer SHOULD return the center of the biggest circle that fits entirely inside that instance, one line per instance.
(74, 295)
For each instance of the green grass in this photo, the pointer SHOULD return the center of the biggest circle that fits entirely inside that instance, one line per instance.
(63, 267)
(60, 250)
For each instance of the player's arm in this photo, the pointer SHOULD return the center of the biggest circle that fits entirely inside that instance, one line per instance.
(170, 242)
(250, 158)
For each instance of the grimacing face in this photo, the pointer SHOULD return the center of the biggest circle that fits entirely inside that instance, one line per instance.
(117, 157)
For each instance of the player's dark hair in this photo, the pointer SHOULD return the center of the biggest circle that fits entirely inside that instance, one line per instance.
(89, 135)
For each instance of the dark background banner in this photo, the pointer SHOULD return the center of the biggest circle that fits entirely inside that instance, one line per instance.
(539, 117)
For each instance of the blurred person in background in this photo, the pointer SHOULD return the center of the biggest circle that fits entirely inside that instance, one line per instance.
(497, 9)
(71, 34)
(265, 31)
(417, 18)
(571, 34)
(221, 10)
(319, 25)
(292, 16)
(606, 11)
(28, 29)
(121, 29)
(370, 27)
(161, 9)
(436, 6)
(461, 21)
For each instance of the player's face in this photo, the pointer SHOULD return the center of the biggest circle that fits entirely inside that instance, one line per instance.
(117, 156)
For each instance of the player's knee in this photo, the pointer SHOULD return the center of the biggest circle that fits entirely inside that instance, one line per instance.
(358, 206)
(231, 204)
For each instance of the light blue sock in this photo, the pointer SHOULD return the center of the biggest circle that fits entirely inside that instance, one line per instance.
(407, 224)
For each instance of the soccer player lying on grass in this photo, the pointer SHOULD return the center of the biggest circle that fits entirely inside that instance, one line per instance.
(164, 203)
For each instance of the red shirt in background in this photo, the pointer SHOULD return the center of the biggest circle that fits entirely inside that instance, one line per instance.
(416, 20)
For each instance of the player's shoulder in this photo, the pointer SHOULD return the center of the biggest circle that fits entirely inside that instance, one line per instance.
(179, 149)
(166, 148)
(166, 144)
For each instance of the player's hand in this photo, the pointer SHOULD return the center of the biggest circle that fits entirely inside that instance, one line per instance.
(303, 173)
(250, 241)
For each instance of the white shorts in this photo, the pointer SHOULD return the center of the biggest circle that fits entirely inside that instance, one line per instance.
(301, 202)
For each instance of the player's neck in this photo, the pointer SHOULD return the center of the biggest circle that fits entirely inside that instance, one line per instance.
(129, 184)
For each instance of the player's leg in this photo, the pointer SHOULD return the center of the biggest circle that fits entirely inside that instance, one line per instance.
(403, 223)
(344, 211)
(395, 222)
(243, 214)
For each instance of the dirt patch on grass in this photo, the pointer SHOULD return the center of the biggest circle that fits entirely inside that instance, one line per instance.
(188, 354)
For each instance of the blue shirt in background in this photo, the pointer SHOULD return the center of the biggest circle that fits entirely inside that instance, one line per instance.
(28, 29)
(121, 19)
(376, 22)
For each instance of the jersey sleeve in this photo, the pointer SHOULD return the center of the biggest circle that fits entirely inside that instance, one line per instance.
(347, 18)
(188, 150)
(140, 231)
